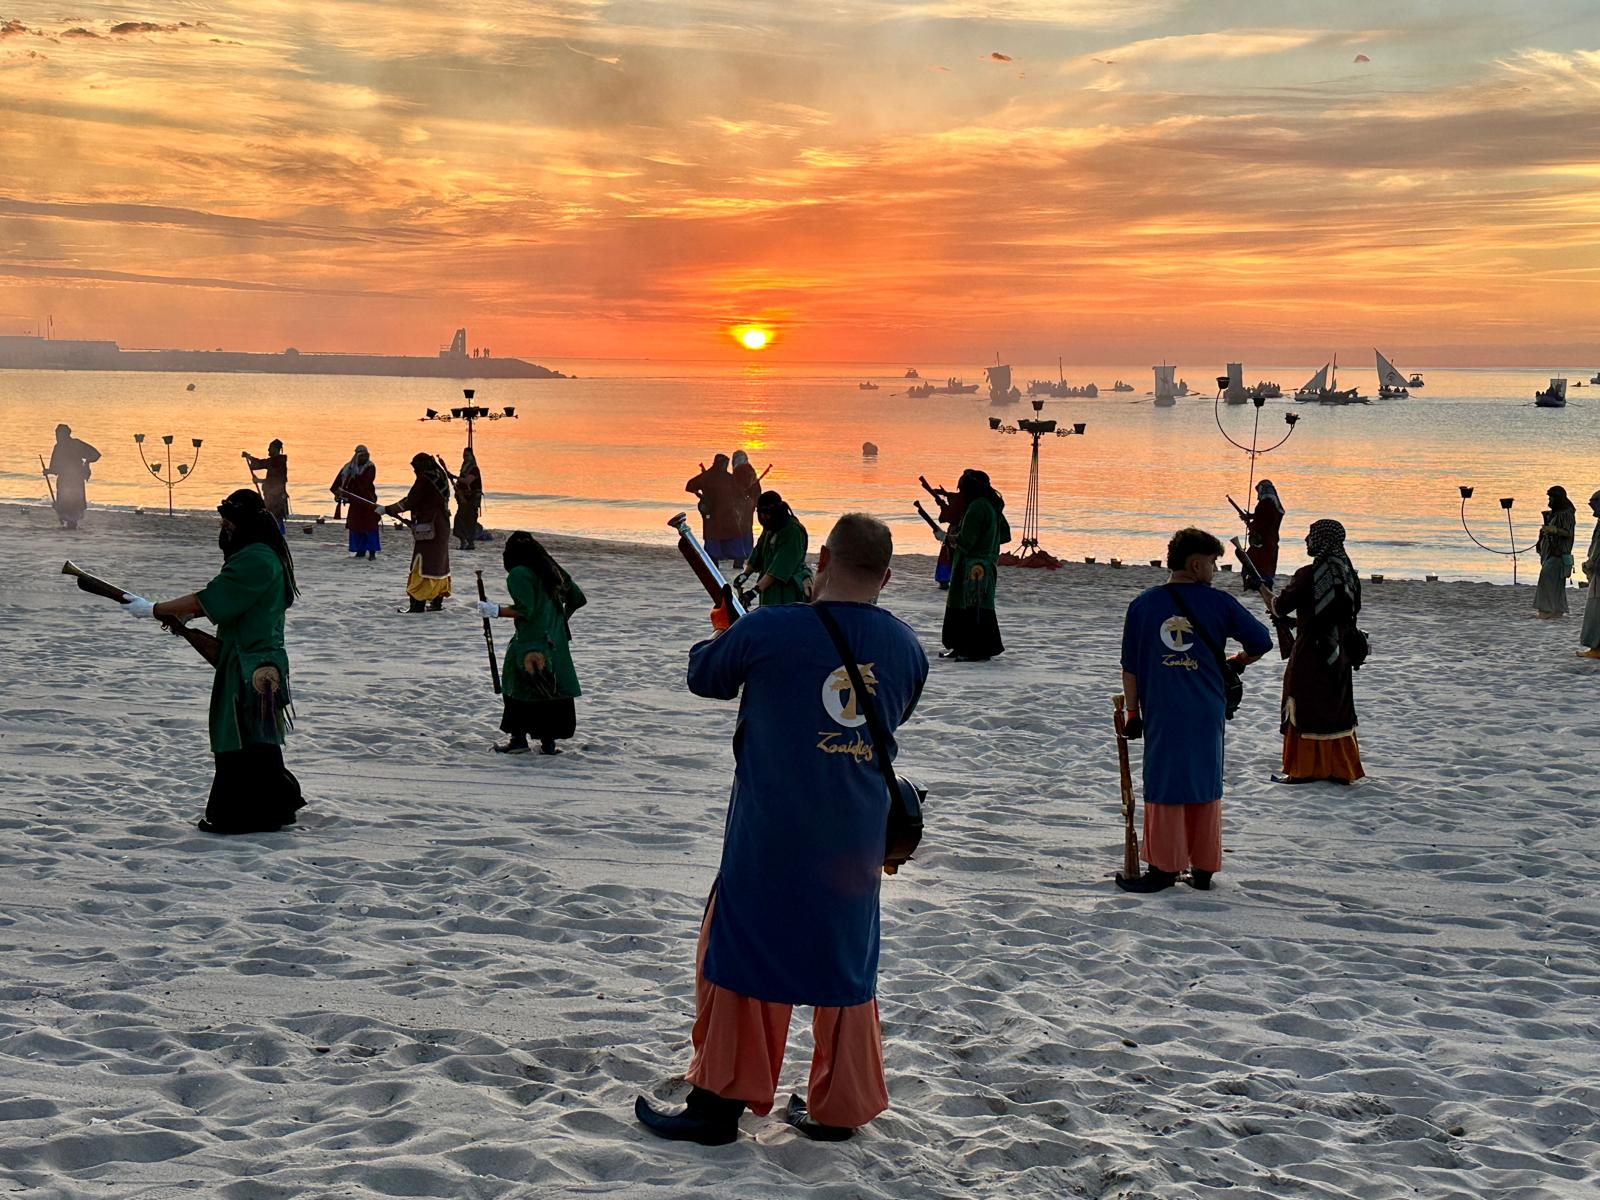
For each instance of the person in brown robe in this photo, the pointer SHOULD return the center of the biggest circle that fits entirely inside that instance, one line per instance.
(1319, 707)
(748, 484)
(719, 509)
(359, 478)
(1263, 523)
(469, 501)
(274, 485)
(429, 505)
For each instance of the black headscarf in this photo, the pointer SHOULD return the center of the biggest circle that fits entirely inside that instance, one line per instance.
(772, 502)
(1559, 501)
(427, 468)
(975, 483)
(1332, 574)
(252, 523)
(525, 550)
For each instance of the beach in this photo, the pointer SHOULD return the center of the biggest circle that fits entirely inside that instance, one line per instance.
(452, 978)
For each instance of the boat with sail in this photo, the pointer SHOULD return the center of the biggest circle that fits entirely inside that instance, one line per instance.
(1325, 390)
(1166, 389)
(1391, 384)
(1555, 396)
(1000, 389)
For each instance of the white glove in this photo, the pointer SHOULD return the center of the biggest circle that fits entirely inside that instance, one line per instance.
(487, 608)
(138, 606)
(941, 535)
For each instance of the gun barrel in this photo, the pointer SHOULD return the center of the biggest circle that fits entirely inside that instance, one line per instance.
(705, 568)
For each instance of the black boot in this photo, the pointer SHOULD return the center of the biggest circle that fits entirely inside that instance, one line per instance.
(796, 1115)
(1153, 880)
(1200, 880)
(548, 746)
(436, 605)
(706, 1118)
(416, 606)
(517, 745)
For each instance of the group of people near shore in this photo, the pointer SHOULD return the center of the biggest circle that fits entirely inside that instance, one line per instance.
(825, 678)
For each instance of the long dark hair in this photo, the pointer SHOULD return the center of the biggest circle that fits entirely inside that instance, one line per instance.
(525, 550)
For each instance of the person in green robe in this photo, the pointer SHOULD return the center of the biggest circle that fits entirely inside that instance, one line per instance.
(251, 791)
(538, 681)
(971, 632)
(1556, 536)
(778, 563)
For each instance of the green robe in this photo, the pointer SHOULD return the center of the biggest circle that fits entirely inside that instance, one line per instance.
(982, 532)
(246, 604)
(541, 626)
(781, 553)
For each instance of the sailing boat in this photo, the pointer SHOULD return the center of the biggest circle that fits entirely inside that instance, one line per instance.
(1166, 391)
(1392, 384)
(1000, 389)
(1553, 397)
(1319, 388)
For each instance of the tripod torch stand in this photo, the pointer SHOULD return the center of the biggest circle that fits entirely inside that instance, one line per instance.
(1505, 502)
(1031, 555)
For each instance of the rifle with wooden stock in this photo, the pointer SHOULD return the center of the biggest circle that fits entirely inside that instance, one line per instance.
(1130, 836)
(488, 637)
(206, 645)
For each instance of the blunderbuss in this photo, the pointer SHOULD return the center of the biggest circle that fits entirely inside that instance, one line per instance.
(205, 644)
(722, 593)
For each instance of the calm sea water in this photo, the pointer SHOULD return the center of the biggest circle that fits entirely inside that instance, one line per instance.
(607, 454)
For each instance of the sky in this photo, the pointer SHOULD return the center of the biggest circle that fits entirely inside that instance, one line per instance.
(870, 180)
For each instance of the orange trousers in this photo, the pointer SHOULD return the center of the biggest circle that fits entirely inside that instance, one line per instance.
(1321, 758)
(739, 1043)
(1183, 835)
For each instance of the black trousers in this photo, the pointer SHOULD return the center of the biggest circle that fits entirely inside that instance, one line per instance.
(253, 791)
(541, 720)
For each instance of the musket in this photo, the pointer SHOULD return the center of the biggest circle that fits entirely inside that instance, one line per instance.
(938, 494)
(488, 637)
(1130, 836)
(1284, 626)
(1243, 516)
(379, 507)
(932, 524)
(254, 482)
(45, 471)
(207, 646)
(718, 588)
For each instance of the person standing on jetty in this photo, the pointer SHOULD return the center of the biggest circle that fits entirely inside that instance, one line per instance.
(1556, 536)
(539, 681)
(1264, 523)
(1319, 706)
(793, 915)
(359, 478)
(747, 487)
(1589, 635)
(251, 791)
(719, 510)
(971, 633)
(1173, 676)
(779, 559)
(429, 505)
(469, 501)
(69, 463)
(274, 484)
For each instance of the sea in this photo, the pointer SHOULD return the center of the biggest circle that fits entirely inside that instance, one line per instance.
(606, 454)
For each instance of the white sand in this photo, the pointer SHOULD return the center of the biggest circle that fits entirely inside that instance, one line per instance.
(454, 977)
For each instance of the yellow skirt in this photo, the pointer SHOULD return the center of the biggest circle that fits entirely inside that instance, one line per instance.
(426, 587)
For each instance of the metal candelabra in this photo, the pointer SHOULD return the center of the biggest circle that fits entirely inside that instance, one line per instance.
(1505, 502)
(185, 470)
(1031, 554)
(469, 413)
(1255, 450)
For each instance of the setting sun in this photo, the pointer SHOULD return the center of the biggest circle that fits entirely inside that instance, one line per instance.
(754, 339)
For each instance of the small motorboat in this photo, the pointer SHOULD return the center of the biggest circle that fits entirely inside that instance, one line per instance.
(1119, 386)
(868, 386)
(911, 373)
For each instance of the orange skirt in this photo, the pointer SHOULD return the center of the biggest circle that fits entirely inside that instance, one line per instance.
(1183, 835)
(1321, 758)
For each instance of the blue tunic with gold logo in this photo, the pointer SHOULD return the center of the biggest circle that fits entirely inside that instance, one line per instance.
(796, 918)
(1181, 686)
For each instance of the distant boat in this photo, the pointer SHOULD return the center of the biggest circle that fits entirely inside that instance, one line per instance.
(1391, 384)
(1555, 396)
(1319, 388)
(1119, 386)
(911, 373)
(919, 390)
(869, 386)
(1232, 385)
(1166, 390)
(1000, 389)
(954, 387)
(1266, 390)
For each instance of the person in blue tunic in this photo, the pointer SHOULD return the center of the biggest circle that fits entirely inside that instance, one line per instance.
(793, 915)
(1173, 679)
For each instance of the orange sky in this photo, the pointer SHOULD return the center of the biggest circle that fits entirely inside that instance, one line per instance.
(876, 180)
